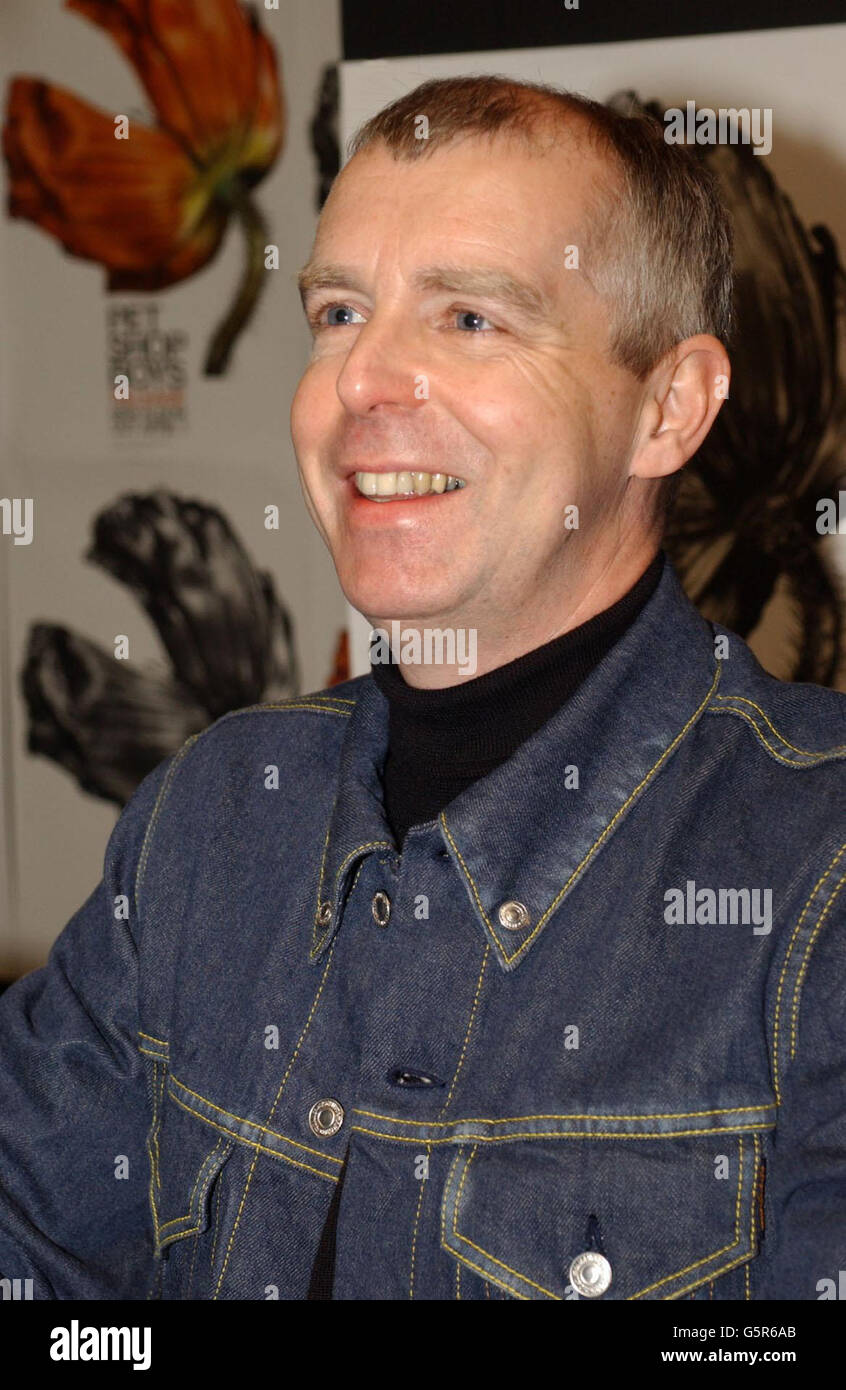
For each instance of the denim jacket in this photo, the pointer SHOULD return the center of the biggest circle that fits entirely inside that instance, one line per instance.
(583, 1039)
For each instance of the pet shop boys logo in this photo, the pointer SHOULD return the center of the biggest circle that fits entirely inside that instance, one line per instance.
(147, 371)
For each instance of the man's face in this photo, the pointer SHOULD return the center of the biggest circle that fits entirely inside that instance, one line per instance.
(426, 360)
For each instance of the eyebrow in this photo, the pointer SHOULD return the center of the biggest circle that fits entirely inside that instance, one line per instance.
(490, 282)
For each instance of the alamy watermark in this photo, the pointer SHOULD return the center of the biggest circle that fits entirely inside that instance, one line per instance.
(729, 125)
(692, 906)
(428, 646)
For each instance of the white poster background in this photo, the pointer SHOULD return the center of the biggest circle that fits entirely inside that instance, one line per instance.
(58, 446)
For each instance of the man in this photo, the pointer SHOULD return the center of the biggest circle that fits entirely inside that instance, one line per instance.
(519, 982)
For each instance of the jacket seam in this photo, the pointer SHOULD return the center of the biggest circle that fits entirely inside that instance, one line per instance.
(597, 844)
(517, 1119)
(783, 975)
(561, 1134)
(282, 1085)
(252, 1124)
(445, 1105)
(810, 759)
(806, 752)
(252, 1143)
(296, 703)
(456, 1204)
(316, 946)
(797, 990)
(714, 1255)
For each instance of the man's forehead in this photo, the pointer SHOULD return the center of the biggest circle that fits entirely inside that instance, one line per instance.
(557, 216)
(564, 168)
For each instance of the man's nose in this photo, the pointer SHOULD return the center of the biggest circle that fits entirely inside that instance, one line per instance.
(384, 366)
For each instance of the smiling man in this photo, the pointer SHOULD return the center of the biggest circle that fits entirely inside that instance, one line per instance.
(437, 987)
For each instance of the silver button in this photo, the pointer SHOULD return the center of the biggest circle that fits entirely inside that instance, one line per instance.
(324, 914)
(381, 909)
(326, 1117)
(514, 916)
(590, 1274)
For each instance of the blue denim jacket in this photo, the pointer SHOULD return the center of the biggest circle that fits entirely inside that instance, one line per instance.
(556, 1067)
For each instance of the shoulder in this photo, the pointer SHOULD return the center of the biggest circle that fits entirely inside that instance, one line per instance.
(797, 724)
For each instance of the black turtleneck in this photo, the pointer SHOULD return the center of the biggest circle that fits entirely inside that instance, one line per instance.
(440, 741)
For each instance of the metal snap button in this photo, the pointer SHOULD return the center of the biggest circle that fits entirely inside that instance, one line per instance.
(590, 1274)
(324, 914)
(381, 909)
(514, 916)
(325, 1118)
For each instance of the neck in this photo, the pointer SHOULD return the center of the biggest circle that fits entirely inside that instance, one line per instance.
(445, 651)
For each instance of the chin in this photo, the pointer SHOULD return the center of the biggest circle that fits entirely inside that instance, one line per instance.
(402, 597)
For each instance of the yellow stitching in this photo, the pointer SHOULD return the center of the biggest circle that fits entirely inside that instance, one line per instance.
(296, 703)
(706, 1259)
(152, 1190)
(314, 946)
(455, 1231)
(178, 1235)
(445, 1105)
(556, 1134)
(807, 752)
(776, 1013)
(163, 790)
(414, 1232)
(157, 1126)
(270, 1117)
(157, 1056)
(486, 1275)
(264, 1129)
(209, 1158)
(355, 879)
(253, 1143)
(457, 1280)
(371, 844)
(150, 1038)
(301, 704)
(515, 1119)
(151, 825)
(191, 1270)
(216, 1229)
(814, 758)
(594, 847)
(717, 1272)
(805, 959)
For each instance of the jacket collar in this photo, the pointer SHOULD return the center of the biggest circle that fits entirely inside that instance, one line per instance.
(524, 834)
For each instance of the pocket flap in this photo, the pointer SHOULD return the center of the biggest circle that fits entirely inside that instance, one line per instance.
(667, 1214)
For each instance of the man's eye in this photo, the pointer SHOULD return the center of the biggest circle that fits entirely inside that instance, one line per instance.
(477, 320)
(319, 320)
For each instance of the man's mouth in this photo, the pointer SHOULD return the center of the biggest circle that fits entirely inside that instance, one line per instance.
(383, 487)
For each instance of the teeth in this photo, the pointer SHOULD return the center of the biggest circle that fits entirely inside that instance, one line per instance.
(405, 484)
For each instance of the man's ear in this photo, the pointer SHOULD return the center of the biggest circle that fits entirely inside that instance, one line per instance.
(682, 396)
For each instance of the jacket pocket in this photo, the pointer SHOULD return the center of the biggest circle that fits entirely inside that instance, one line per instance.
(665, 1215)
(186, 1158)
